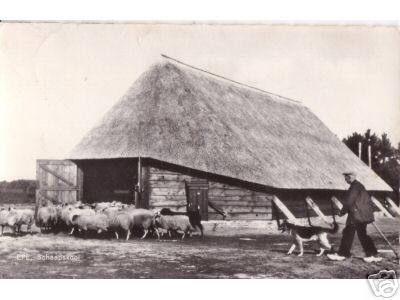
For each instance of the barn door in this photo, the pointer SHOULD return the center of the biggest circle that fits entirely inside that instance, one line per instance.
(197, 194)
(58, 182)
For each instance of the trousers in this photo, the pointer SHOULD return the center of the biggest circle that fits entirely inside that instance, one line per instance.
(348, 238)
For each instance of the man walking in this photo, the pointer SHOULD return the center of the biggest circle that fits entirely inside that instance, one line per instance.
(358, 206)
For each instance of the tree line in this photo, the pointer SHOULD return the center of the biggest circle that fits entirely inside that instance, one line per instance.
(26, 186)
(385, 158)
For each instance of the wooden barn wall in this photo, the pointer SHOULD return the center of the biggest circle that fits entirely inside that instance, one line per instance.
(240, 203)
(167, 189)
(163, 186)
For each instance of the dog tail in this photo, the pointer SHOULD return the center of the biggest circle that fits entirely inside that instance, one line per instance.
(335, 228)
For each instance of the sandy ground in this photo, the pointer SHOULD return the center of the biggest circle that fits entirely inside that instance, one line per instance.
(246, 254)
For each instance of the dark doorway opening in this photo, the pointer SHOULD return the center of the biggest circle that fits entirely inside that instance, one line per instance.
(108, 180)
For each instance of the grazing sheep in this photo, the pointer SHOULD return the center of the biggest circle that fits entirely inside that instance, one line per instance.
(97, 222)
(174, 223)
(46, 217)
(194, 217)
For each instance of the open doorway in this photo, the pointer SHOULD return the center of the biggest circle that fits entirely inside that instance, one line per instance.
(107, 180)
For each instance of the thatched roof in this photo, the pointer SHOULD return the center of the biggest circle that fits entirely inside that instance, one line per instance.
(180, 115)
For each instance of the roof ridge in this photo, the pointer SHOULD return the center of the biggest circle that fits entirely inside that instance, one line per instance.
(231, 80)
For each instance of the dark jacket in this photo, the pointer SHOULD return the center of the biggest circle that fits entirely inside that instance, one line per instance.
(358, 204)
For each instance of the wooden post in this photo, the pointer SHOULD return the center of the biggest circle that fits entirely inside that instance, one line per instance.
(145, 188)
(393, 206)
(140, 174)
(374, 200)
(284, 210)
(369, 156)
(315, 208)
(359, 150)
(336, 201)
(138, 185)
(381, 207)
(79, 183)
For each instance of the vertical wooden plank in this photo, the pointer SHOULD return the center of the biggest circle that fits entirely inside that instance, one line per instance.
(315, 208)
(38, 179)
(137, 201)
(68, 173)
(59, 170)
(37, 192)
(145, 186)
(61, 194)
(50, 178)
(381, 207)
(45, 184)
(73, 177)
(79, 180)
(205, 203)
(139, 183)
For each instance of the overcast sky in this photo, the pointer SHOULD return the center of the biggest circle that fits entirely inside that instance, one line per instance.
(57, 80)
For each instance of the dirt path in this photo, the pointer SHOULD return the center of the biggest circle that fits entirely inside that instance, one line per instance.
(249, 256)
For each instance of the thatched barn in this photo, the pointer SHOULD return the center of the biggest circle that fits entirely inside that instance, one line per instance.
(182, 135)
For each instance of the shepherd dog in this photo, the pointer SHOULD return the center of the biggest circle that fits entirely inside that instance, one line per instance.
(303, 234)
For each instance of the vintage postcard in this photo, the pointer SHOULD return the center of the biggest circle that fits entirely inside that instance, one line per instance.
(199, 151)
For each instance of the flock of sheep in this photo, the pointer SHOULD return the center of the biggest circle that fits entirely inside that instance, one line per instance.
(109, 217)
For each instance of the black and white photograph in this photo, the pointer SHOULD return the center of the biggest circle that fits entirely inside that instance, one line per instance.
(199, 150)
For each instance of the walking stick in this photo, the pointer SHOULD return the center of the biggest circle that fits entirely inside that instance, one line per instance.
(387, 241)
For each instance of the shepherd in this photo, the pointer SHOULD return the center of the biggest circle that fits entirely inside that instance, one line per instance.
(358, 206)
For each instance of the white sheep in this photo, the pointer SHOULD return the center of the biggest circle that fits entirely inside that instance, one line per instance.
(120, 220)
(111, 210)
(15, 218)
(142, 218)
(95, 222)
(23, 217)
(69, 211)
(4, 212)
(177, 223)
(46, 217)
(100, 206)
